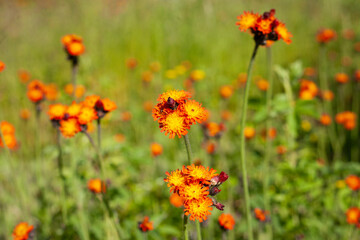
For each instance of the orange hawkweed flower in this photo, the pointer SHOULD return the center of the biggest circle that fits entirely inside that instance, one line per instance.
(131, 63)
(174, 124)
(2, 66)
(210, 147)
(249, 132)
(308, 90)
(69, 127)
(281, 149)
(103, 106)
(10, 141)
(146, 225)
(226, 221)
(325, 35)
(261, 215)
(25, 114)
(357, 75)
(214, 129)
(74, 109)
(262, 84)
(73, 45)
(51, 92)
(342, 78)
(36, 91)
(199, 173)
(271, 132)
(90, 101)
(7, 128)
(264, 27)
(198, 209)
(156, 149)
(325, 119)
(197, 75)
(96, 185)
(226, 91)
(347, 119)
(176, 200)
(24, 76)
(309, 72)
(327, 95)
(353, 215)
(194, 112)
(194, 190)
(79, 91)
(175, 180)
(147, 76)
(87, 115)
(22, 231)
(353, 182)
(57, 111)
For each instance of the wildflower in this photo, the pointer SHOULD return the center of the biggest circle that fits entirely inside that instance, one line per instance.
(79, 91)
(325, 35)
(69, 127)
(8, 134)
(7, 128)
(353, 182)
(325, 119)
(175, 180)
(2, 66)
(119, 137)
(261, 215)
(51, 92)
(309, 72)
(353, 215)
(155, 66)
(249, 132)
(308, 90)
(262, 85)
(25, 114)
(199, 209)
(104, 106)
(86, 115)
(24, 76)
(347, 119)
(148, 106)
(22, 231)
(74, 109)
(73, 45)
(90, 101)
(342, 78)
(213, 129)
(126, 116)
(96, 185)
(176, 200)
(36, 91)
(210, 147)
(145, 225)
(327, 95)
(226, 221)
(357, 75)
(197, 75)
(271, 132)
(131, 63)
(264, 27)
(281, 149)
(225, 115)
(194, 112)
(147, 76)
(56, 113)
(226, 91)
(156, 149)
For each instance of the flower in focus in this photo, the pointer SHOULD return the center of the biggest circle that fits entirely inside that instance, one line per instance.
(325, 35)
(146, 225)
(341, 78)
(264, 27)
(2, 66)
(325, 119)
(353, 182)
(262, 85)
(226, 91)
(156, 149)
(353, 215)
(249, 132)
(347, 119)
(96, 185)
(261, 215)
(308, 90)
(226, 221)
(22, 231)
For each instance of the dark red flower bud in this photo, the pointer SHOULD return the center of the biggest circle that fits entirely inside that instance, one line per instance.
(223, 177)
(214, 191)
(99, 106)
(219, 206)
(170, 103)
(272, 12)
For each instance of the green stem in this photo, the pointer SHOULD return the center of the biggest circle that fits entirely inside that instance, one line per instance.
(185, 228)
(99, 133)
(242, 145)
(268, 145)
(198, 230)
(62, 176)
(188, 148)
(73, 79)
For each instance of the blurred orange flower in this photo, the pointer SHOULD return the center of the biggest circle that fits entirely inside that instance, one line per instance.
(353, 215)
(357, 75)
(281, 149)
(210, 147)
(119, 137)
(126, 116)
(25, 114)
(73, 44)
(51, 92)
(24, 76)
(156, 149)
(146, 225)
(79, 91)
(131, 63)
(261, 215)
(226, 115)
(57, 111)
(325, 35)
(86, 115)
(226, 91)
(96, 185)
(308, 89)
(353, 182)
(347, 119)
(325, 119)
(262, 85)
(22, 231)
(8, 134)
(249, 132)
(341, 77)
(148, 105)
(2, 66)
(226, 221)
(147, 76)
(176, 200)
(36, 91)
(69, 127)
(327, 95)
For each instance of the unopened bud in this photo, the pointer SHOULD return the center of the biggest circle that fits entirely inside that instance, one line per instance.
(219, 206)
(214, 191)
(223, 177)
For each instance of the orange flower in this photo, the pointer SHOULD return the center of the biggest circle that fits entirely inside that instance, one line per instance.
(79, 91)
(69, 127)
(146, 225)
(51, 92)
(176, 200)
(271, 132)
(24, 76)
(353, 182)
(347, 119)
(87, 115)
(214, 129)
(194, 112)
(10, 141)
(147, 76)
(357, 75)
(197, 75)
(281, 149)
(131, 63)
(325, 35)
(308, 89)
(2, 66)
(57, 111)
(226, 91)
(309, 72)
(107, 105)
(155, 66)
(210, 147)
(156, 149)
(119, 137)
(73, 110)
(174, 124)
(70, 38)
(353, 215)
(342, 78)
(22, 231)
(225, 115)
(249, 132)
(90, 101)
(178, 96)
(7, 128)
(25, 114)
(325, 119)
(327, 95)
(192, 191)
(198, 209)
(36, 91)
(264, 27)
(199, 173)
(148, 106)
(126, 116)
(175, 180)
(96, 185)
(262, 85)
(226, 221)
(261, 215)
(73, 45)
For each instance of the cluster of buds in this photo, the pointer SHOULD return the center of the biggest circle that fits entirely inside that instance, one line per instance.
(197, 185)
(38, 92)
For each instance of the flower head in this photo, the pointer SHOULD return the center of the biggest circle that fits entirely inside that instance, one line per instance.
(226, 91)
(347, 119)
(175, 180)
(176, 200)
(325, 35)
(353, 182)
(199, 209)
(146, 225)
(341, 78)
(2, 66)
(87, 115)
(194, 112)
(308, 90)
(325, 119)
(156, 149)
(73, 45)
(22, 231)
(96, 185)
(353, 215)
(69, 127)
(57, 111)
(226, 221)
(261, 215)
(174, 124)
(249, 132)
